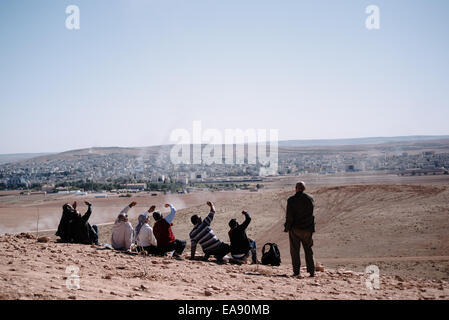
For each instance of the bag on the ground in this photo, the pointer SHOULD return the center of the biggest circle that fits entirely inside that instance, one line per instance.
(272, 256)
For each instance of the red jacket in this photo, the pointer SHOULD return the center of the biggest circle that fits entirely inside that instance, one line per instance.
(163, 233)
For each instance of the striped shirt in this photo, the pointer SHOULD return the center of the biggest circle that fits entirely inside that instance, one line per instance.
(204, 235)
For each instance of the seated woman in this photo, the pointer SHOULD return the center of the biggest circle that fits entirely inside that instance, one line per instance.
(145, 239)
(75, 228)
(68, 213)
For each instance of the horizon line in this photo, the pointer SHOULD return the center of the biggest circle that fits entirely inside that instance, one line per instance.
(267, 141)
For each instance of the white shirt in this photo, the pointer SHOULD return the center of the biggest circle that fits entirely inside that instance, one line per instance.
(146, 236)
(122, 233)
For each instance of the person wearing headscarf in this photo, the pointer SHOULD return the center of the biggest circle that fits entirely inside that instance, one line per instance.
(68, 213)
(144, 236)
(75, 228)
(122, 231)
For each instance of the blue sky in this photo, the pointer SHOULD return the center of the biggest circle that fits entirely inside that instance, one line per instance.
(136, 70)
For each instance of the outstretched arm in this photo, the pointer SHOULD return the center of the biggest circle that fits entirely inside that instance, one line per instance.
(86, 216)
(126, 209)
(211, 214)
(172, 214)
(245, 224)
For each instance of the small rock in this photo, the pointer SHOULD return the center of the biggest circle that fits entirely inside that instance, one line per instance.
(207, 293)
(142, 287)
(43, 239)
(319, 268)
(72, 297)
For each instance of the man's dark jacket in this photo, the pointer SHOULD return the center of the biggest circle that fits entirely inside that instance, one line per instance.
(300, 212)
(239, 239)
(76, 229)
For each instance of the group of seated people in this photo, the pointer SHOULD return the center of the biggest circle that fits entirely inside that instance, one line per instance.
(159, 240)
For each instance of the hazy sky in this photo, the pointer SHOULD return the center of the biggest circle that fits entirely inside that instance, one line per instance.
(138, 69)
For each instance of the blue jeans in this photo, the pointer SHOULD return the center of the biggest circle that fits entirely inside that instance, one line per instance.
(253, 250)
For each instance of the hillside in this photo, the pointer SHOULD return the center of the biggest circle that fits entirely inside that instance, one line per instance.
(401, 228)
(34, 270)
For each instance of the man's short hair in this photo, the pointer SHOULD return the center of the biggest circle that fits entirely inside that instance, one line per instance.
(301, 185)
(122, 216)
(232, 223)
(195, 218)
(157, 215)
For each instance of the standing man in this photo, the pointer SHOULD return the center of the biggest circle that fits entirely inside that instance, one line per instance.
(300, 225)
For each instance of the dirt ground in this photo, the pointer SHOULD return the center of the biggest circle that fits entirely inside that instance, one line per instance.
(400, 228)
(33, 270)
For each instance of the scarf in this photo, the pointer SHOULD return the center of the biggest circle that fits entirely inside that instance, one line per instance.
(141, 219)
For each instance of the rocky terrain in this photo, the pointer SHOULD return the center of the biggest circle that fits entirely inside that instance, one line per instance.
(33, 270)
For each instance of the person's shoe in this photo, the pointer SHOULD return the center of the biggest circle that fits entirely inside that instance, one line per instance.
(312, 275)
(295, 275)
(177, 256)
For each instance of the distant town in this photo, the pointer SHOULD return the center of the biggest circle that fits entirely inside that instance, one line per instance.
(120, 171)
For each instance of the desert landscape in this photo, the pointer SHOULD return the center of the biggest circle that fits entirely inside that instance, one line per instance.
(396, 223)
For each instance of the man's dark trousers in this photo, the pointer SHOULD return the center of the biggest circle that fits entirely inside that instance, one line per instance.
(304, 237)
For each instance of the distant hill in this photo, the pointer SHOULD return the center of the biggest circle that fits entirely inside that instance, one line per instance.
(356, 141)
(434, 141)
(15, 157)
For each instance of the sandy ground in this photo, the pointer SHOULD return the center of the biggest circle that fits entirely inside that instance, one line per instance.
(33, 270)
(401, 228)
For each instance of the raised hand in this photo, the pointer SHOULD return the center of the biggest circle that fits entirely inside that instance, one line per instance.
(211, 205)
(244, 212)
(167, 205)
(86, 203)
(74, 205)
(151, 209)
(132, 204)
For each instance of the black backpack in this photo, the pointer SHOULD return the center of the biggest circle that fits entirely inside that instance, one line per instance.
(272, 256)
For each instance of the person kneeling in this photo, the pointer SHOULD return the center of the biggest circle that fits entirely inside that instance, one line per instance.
(166, 240)
(203, 234)
(241, 245)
